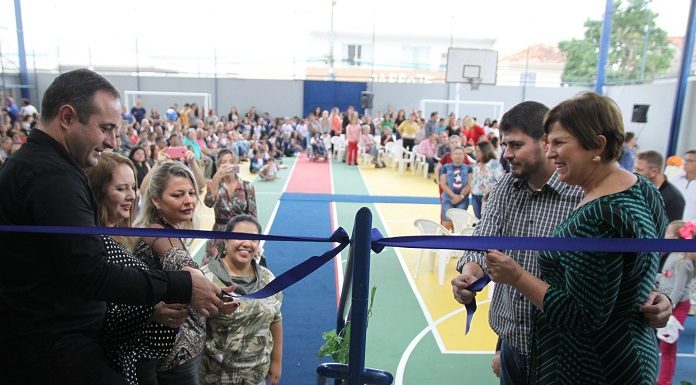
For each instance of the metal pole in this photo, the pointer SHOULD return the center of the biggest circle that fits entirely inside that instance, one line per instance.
(361, 291)
(23, 74)
(137, 66)
(36, 77)
(683, 81)
(644, 52)
(526, 76)
(217, 108)
(3, 95)
(605, 38)
(332, 75)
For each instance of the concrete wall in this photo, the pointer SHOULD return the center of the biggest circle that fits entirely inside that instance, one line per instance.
(654, 135)
(285, 98)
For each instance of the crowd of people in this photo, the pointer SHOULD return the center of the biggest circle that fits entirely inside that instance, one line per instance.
(142, 311)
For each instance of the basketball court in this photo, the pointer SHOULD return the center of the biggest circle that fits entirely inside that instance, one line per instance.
(416, 331)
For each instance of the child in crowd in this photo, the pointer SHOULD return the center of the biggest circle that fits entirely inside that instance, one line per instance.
(258, 161)
(677, 273)
(269, 171)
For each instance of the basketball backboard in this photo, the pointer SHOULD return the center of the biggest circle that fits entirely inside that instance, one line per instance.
(472, 65)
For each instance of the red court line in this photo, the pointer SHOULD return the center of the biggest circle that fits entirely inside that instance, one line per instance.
(315, 177)
(310, 177)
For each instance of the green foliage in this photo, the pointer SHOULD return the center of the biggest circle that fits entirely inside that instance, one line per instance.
(337, 345)
(684, 383)
(638, 49)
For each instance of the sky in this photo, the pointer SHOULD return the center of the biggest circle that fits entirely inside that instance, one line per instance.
(108, 30)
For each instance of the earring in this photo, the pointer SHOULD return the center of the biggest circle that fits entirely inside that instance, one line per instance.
(596, 159)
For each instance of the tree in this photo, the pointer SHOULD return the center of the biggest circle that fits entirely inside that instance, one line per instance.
(638, 48)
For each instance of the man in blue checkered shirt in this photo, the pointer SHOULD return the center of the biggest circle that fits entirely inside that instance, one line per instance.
(528, 202)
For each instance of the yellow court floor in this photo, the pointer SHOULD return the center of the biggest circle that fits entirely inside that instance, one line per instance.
(443, 311)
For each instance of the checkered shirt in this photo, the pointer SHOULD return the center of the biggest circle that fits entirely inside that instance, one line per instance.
(514, 210)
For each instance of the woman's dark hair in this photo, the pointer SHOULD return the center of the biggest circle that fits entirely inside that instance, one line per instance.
(586, 117)
(242, 218)
(222, 153)
(75, 88)
(487, 151)
(133, 151)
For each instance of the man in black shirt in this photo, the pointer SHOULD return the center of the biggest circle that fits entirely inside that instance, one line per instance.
(53, 287)
(650, 165)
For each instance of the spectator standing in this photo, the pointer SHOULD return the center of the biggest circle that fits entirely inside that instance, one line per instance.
(628, 155)
(353, 132)
(229, 196)
(408, 130)
(138, 111)
(487, 172)
(686, 183)
(12, 110)
(431, 126)
(650, 165)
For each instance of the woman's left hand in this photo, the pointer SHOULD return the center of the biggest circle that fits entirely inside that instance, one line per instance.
(171, 315)
(502, 268)
(273, 376)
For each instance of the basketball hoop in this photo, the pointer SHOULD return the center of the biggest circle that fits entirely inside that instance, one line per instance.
(474, 83)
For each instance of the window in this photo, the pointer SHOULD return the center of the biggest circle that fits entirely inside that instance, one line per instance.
(417, 57)
(528, 78)
(353, 54)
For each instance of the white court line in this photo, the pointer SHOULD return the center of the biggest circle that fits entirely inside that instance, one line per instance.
(277, 204)
(431, 325)
(401, 368)
(338, 260)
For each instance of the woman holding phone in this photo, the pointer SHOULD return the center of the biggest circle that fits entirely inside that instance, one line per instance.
(229, 196)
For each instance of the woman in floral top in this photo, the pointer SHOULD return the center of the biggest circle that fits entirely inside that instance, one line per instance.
(170, 202)
(487, 171)
(245, 347)
(229, 196)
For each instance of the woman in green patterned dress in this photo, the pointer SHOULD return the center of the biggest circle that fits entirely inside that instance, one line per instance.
(243, 348)
(588, 329)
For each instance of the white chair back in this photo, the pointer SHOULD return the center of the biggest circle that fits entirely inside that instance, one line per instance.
(463, 222)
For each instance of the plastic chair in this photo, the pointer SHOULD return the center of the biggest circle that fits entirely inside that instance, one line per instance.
(396, 153)
(339, 147)
(462, 221)
(428, 227)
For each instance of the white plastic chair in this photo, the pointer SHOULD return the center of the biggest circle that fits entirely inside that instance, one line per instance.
(428, 227)
(339, 147)
(462, 221)
(396, 153)
(422, 165)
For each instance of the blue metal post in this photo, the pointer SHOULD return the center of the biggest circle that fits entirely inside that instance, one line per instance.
(687, 55)
(604, 40)
(361, 292)
(23, 74)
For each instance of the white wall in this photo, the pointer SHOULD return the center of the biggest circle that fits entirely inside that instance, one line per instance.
(285, 98)
(654, 135)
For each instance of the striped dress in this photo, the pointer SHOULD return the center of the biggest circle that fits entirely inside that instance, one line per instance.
(590, 331)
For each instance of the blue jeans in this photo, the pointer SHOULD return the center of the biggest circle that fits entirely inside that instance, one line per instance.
(185, 374)
(513, 366)
(476, 201)
(447, 204)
